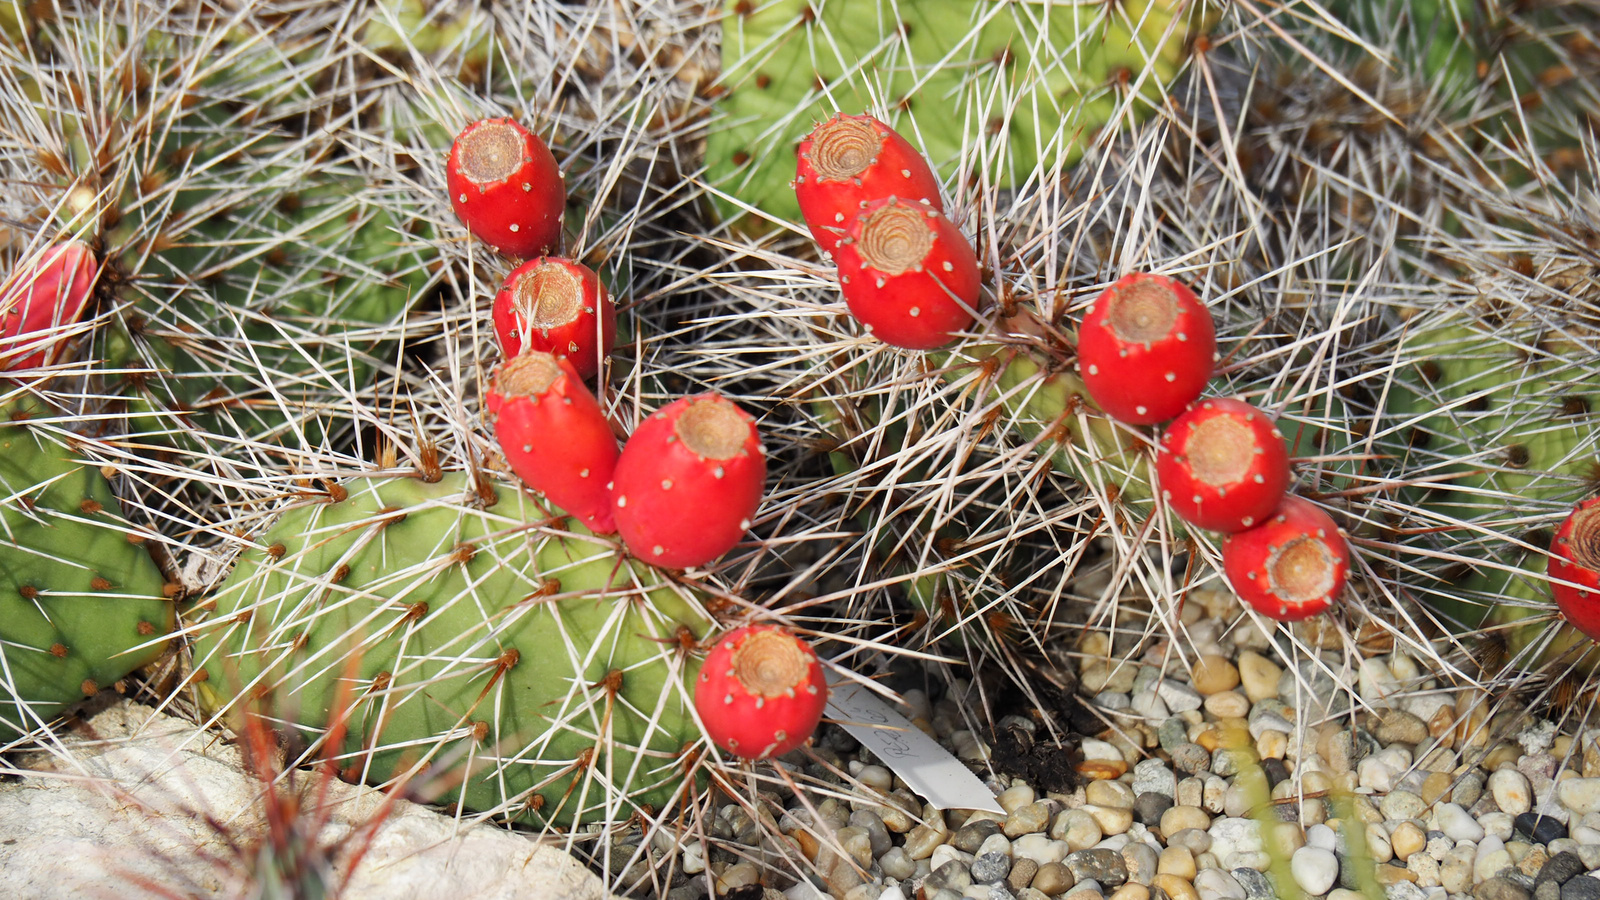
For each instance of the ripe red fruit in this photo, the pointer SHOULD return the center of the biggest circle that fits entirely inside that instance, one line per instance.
(1290, 567)
(908, 274)
(1575, 556)
(1222, 465)
(688, 481)
(761, 692)
(40, 300)
(554, 435)
(1146, 349)
(505, 187)
(556, 306)
(850, 160)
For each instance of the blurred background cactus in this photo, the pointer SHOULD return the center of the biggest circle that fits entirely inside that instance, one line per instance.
(1389, 208)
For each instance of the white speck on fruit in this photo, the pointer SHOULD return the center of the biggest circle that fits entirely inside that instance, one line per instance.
(844, 279)
(915, 311)
(572, 346)
(1260, 479)
(1141, 409)
(744, 524)
(789, 692)
(658, 549)
(727, 699)
(760, 702)
(621, 502)
(1247, 521)
(1094, 369)
(527, 448)
(1196, 499)
(666, 484)
(1122, 352)
(811, 689)
(583, 473)
(515, 228)
(1171, 377)
(905, 173)
(882, 282)
(1182, 336)
(526, 187)
(463, 198)
(717, 472)
(948, 267)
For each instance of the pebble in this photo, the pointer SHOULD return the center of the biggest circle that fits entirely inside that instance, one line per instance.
(1153, 775)
(1039, 848)
(1103, 866)
(1457, 823)
(1581, 887)
(1314, 869)
(1213, 674)
(1077, 828)
(1052, 879)
(1216, 884)
(1511, 791)
(1258, 676)
(1579, 795)
(1149, 807)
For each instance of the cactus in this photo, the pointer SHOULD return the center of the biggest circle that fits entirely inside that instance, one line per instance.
(85, 604)
(538, 660)
(1046, 78)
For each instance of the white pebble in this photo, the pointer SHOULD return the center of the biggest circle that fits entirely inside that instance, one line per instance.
(1215, 884)
(1579, 795)
(1038, 848)
(1314, 869)
(1322, 836)
(1094, 748)
(1457, 824)
(1511, 791)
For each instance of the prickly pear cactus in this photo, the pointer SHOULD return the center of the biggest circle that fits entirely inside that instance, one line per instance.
(537, 663)
(1501, 409)
(1046, 76)
(84, 604)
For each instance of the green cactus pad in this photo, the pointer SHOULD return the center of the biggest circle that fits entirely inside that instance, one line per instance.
(83, 604)
(541, 660)
(1504, 411)
(1045, 74)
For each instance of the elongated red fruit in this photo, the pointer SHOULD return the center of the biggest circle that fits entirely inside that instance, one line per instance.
(908, 274)
(559, 307)
(689, 481)
(1290, 567)
(1222, 465)
(761, 692)
(554, 435)
(848, 161)
(506, 188)
(39, 302)
(1146, 349)
(1575, 557)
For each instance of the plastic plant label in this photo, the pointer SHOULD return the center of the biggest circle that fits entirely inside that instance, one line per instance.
(926, 767)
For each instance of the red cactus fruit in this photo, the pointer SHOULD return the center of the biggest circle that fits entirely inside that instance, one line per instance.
(554, 435)
(761, 692)
(1290, 567)
(559, 307)
(850, 160)
(1575, 557)
(1146, 349)
(505, 187)
(41, 298)
(688, 482)
(908, 274)
(1222, 465)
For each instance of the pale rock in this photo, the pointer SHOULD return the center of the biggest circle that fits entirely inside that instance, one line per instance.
(1314, 869)
(1457, 823)
(126, 816)
(1511, 791)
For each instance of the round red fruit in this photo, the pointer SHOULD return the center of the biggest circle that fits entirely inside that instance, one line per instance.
(554, 435)
(559, 307)
(1575, 557)
(761, 692)
(1290, 567)
(908, 274)
(688, 482)
(1146, 349)
(506, 188)
(40, 302)
(1222, 465)
(851, 160)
